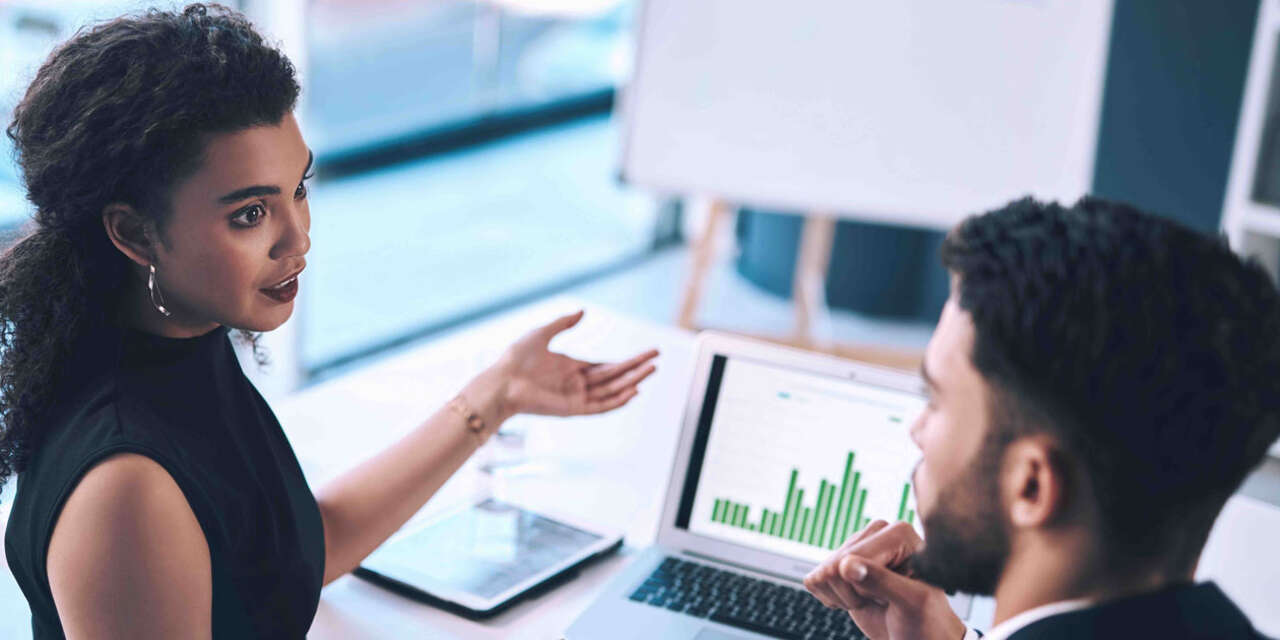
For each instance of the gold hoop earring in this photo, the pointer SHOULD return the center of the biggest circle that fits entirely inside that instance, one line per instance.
(157, 300)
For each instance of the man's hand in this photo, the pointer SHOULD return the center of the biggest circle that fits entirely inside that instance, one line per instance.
(864, 578)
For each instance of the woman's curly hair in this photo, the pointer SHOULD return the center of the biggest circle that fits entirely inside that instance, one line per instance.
(121, 112)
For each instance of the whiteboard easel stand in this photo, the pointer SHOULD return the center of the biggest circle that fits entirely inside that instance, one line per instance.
(808, 290)
(809, 283)
(704, 254)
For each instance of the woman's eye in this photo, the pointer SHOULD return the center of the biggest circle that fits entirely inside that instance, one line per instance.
(249, 216)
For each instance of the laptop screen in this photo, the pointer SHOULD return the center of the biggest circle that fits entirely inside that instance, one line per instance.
(792, 462)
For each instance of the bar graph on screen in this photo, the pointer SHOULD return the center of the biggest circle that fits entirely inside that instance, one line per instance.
(836, 514)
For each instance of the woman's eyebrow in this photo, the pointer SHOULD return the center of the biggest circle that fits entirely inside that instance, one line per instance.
(262, 189)
(249, 192)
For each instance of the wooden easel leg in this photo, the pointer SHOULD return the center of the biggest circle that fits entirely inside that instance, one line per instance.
(704, 253)
(808, 289)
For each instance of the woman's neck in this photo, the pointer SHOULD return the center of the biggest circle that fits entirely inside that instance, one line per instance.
(135, 311)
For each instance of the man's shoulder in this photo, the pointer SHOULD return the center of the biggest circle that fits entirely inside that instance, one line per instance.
(1184, 612)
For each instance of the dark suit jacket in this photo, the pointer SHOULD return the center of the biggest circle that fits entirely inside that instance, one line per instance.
(1183, 612)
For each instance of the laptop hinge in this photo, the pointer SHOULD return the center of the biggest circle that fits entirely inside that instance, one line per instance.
(744, 567)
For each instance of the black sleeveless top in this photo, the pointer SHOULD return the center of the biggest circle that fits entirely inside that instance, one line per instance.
(186, 404)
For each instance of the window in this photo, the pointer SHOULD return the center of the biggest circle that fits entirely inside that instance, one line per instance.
(407, 247)
(383, 70)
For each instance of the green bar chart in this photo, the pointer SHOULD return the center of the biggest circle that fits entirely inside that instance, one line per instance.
(836, 510)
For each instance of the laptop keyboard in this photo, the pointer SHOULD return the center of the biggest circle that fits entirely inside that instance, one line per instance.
(744, 602)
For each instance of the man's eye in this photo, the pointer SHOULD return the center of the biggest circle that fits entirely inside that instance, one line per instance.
(249, 216)
(302, 191)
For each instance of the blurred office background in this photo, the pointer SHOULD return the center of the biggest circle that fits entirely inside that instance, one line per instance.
(467, 162)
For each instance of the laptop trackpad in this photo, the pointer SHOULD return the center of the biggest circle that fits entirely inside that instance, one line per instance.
(716, 634)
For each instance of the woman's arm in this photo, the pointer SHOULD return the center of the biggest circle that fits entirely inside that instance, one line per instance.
(362, 508)
(127, 558)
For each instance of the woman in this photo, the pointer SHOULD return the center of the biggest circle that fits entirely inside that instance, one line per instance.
(157, 495)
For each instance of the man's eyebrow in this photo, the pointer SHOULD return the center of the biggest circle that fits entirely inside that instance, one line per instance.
(258, 190)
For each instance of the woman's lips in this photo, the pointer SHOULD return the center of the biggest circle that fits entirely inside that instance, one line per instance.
(284, 293)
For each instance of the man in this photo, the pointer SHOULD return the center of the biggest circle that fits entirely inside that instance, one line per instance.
(1101, 381)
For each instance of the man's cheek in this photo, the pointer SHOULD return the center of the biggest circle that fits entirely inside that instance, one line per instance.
(922, 487)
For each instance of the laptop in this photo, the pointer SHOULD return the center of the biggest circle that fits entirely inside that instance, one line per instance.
(783, 454)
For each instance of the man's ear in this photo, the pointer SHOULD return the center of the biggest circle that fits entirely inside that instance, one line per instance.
(133, 233)
(1034, 482)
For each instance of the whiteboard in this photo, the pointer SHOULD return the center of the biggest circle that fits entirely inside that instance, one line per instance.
(915, 112)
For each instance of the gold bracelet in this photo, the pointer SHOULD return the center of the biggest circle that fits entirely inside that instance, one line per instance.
(470, 418)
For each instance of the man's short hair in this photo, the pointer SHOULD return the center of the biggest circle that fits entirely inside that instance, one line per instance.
(1151, 352)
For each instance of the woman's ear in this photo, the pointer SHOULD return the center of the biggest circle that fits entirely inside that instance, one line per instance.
(131, 232)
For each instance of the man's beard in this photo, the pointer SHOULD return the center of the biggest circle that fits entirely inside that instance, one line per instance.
(966, 537)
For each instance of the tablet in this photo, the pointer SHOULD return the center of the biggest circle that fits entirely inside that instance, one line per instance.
(482, 559)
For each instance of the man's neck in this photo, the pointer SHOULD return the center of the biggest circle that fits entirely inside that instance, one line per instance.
(1065, 569)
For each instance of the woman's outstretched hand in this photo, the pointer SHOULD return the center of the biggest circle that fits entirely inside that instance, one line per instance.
(540, 381)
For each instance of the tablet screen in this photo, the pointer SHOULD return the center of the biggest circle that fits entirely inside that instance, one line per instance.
(484, 550)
